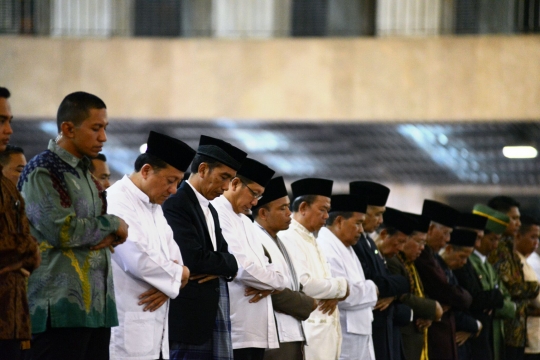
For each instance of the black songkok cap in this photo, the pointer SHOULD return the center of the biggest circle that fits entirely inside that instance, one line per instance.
(221, 151)
(394, 218)
(461, 237)
(440, 213)
(348, 203)
(420, 223)
(312, 186)
(174, 152)
(376, 193)
(275, 189)
(472, 221)
(256, 171)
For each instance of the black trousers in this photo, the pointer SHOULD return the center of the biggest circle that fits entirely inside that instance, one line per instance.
(11, 350)
(72, 344)
(248, 354)
(514, 353)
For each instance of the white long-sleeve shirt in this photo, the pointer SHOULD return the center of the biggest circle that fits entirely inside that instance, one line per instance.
(253, 324)
(146, 260)
(323, 332)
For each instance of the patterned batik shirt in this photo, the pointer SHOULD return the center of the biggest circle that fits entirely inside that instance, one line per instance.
(65, 207)
(508, 265)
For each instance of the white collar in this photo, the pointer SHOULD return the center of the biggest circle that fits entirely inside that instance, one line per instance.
(301, 228)
(482, 257)
(138, 193)
(202, 200)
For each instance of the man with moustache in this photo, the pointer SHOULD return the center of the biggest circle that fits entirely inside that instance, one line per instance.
(291, 306)
(199, 320)
(148, 269)
(415, 334)
(310, 210)
(71, 295)
(441, 335)
(343, 229)
(507, 262)
(252, 321)
(390, 286)
(19, 254)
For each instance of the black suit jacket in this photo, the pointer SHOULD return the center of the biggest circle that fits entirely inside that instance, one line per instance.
(193, 313)
(389, 285)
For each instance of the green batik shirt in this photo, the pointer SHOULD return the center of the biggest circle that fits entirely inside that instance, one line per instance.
(66, 207)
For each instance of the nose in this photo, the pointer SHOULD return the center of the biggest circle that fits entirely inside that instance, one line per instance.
(288, 212)
(102, 136)
(254, 202)
(173, 188)
(107, 183)
(8, 130)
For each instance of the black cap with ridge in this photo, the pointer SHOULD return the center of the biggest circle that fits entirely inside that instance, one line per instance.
(420, 223)
(377, 194)
(460, 237)
(394, 218)
(312, 186)
(256, 171)
(174, 152)
(275, 189)
(471, 221)
(221, 151)
(348, 203)
(440, 213)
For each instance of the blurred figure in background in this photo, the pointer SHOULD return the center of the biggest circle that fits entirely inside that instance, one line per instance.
(13, 162)
(100, 170)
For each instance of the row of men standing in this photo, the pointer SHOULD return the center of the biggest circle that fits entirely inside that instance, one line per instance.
(195, 278)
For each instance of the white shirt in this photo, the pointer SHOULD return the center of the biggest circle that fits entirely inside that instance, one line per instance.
(289, 328)
(323, 332)
(253, 324)
(207, 214)
(480, 256)
(144, 261)
(531, 272)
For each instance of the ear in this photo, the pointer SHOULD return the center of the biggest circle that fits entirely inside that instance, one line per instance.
(235, 184)
(262, 213)
(383, 234)
(67, 129)
(202, 169)
(145, 171)
(303, 206)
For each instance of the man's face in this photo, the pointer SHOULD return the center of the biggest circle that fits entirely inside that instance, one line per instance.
(5, 123)
(352, 228)
(89, 137)
(315, 215)
(456, 259)
(489, 243)
(101, 173)
(393, 244)
(374, 218)
(414, 245)
(159, 184)
(514, 224)
(245, 195)
(216, 181)
(279, 214)
(14, 168)
(438, 236)
(527, 243)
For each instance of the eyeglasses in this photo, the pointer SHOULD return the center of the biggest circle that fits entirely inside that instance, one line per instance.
(255, 195)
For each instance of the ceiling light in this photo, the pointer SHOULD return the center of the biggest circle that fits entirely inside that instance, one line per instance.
(520, 152)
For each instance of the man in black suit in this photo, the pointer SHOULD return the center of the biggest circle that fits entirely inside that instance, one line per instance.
(199, 319)
(390, 286)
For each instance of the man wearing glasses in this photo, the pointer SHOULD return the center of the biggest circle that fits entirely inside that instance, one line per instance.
(252, 317)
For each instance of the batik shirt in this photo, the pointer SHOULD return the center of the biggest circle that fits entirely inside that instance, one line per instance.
(66, 207)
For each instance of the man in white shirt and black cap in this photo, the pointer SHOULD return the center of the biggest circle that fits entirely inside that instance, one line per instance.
(291, 306)
(342, 231)
(253, 326)
(199, 320)
(310, 210)
(148, 270)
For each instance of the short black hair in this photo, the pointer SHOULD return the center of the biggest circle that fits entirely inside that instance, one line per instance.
(100, 157)
(199, 159)
(10, 149)
(4, 93)
(255, 209)
(151, 160)
(526, 223)
(76, 108)
(390, 230)
(503, 203)
(310, 199)
(332, 216)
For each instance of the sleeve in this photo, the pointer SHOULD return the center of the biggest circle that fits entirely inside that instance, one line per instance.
(250, 272)
(318, 288)
(362, 294)
(137, 258)
(403, 314)
(436, 285)
(62, 226)
(481, 299)
(465, 322)
(196, 257)
(293, 303)
(508, 310)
